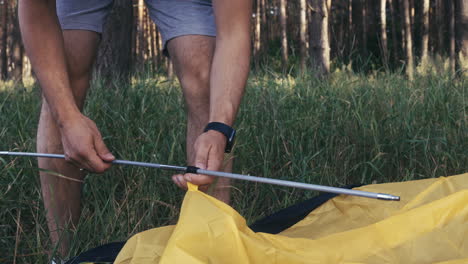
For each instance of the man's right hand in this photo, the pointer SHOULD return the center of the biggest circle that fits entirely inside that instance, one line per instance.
(83, 145)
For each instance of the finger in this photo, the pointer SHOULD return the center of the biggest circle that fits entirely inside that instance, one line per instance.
(82, 164)
(215, 159)
(176, 180)
(180, 181)
(201, 157)
(73, 162)
(198, 179)
(101, 149)
(96, 164)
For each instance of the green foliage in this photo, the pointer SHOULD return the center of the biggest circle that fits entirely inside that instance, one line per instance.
(349, 129)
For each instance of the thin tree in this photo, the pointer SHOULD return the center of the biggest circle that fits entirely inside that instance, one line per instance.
(27, 68)
(440, 14)
(257, 36)
(351, 33)
(395, 42)
(14, 44)
(140, 33)
(154, 45)
(383, 32)
(159, 45)
(412, 11)
(339, 16)
(265, 24)
(284, 35)
(3, 40)
(114, 55)
(452, 36)
(462, 35)
(319, 39)
(408, 40)
(303, 34)
(148, 40)
(364, 29)
(425, 33)
(146, 37)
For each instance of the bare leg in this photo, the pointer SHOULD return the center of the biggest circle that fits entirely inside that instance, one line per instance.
(192, 56)
(62, 197)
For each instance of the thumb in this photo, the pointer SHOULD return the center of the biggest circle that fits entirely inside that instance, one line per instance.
(201, 157)
(201, 160)
(101, 149)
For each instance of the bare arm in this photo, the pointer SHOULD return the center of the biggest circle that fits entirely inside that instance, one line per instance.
(230, 66)
(44, 44)
(43, 41)
(229, 73)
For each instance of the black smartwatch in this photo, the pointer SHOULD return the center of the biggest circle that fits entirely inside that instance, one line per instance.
(228, 131)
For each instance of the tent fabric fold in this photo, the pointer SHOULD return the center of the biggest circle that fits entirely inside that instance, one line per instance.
(428, 225)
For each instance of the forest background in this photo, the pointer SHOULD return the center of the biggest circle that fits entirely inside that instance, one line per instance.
(321, 35)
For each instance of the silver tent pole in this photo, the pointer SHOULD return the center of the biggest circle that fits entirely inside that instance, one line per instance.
(190, 169)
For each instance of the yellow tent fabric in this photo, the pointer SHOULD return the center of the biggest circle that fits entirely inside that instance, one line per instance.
(428, 225)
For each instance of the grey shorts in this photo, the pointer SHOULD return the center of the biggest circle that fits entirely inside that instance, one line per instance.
(173, 18)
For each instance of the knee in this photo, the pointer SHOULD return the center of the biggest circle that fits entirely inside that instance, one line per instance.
(195, 83)
(195, 80)
(79, 73)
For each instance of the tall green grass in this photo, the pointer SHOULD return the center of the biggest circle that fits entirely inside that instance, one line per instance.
(349, 129)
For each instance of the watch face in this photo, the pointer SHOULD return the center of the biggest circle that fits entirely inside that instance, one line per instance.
(232, 137)
(230, 141)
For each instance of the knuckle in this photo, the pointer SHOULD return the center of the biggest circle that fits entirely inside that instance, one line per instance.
(80, 153)
(100, 168)
(103, 167)
(75, 156)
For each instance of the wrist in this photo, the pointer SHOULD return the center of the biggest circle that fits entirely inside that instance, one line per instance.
(226, 130)
(224, 113)
(65, 117)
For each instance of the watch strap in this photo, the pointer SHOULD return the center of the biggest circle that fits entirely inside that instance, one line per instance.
(226, 130)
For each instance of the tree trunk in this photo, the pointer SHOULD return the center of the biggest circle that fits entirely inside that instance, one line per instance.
(147, 37)
(27, 70)
(401, 10)
(364, 30)
(303, 34)
(284, 35)
(319, 39)
(425, 33)
(351, 33)
(154, 45)
(408, 40)
(170, 69)
(3, 41)
(17, 56)
(161, 56)
(452, 36)
(15, 47)
(411, 9)
(440, 26)
(395, 41)
(140, 33)
(383, 32)
(462, 35)
(265, 25)
(340, 14)
(257, 38)
(134, 35)
(114, 55)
